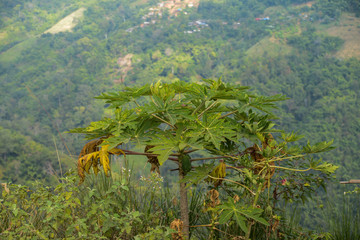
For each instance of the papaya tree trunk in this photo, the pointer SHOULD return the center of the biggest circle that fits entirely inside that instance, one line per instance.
(184, 207)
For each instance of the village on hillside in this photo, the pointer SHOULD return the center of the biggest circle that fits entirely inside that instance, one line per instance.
(175, 7)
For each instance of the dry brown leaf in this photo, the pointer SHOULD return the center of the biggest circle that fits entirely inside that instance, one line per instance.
(153, 160)
(178, 226)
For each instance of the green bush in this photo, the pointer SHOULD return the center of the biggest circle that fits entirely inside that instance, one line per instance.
(74, 212)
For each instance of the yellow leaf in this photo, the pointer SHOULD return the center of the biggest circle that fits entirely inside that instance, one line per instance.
(68, 195)
(117, 151)
(104, 158)
(88, 160)
(218, 172)
(94, 158)
(95, 166)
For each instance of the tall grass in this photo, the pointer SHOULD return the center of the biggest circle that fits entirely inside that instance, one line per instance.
(344, 220)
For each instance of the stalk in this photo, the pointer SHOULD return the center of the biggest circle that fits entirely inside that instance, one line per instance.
(184, 207)
(247, 236)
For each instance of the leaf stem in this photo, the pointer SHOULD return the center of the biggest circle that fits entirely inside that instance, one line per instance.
(152, 114)
(163, 120)
(292, 169)
(198, 107)
(209, 107)
(228, 114)
(206, 158)
(228, 180)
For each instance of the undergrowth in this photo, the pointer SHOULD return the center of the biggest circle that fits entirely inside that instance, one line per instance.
(121, 207)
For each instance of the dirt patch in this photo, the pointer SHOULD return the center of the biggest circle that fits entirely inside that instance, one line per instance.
(67, 23)
(348, 29)
(270, 47)
(138, 3)
(174, 6)
(124, 64)
(3, 35)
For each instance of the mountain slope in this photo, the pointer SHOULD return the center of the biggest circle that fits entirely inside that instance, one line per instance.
(122, 43)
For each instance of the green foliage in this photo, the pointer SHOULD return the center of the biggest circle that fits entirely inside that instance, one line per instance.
(24, 160)
(317, 44)
(240, 213)
(67, 69)
(73, 212)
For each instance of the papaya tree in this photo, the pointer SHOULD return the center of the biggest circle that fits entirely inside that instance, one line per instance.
(231, 128)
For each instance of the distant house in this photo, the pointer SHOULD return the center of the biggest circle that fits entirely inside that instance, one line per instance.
(129, 30)
(200, 23)
(262, 19)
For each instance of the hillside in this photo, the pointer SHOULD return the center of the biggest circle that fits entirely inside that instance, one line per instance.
(348, 29)
(67, 23)
(50, 75)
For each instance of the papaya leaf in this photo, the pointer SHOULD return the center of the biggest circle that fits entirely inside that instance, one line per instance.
(241, 221)
(324, 167)
(241, 213)
(318, 147)
(163, 152)
(225, 216)
(198, 174)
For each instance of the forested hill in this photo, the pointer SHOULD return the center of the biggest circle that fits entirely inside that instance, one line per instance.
(55, 56)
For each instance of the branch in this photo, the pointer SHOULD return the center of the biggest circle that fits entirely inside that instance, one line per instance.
(281, 158)
(163, 120)
(206, 158)
(185, 152)
(225, 156)
(198, 107)
(291, 169)
(207, 109)
(236, 168)
(177, 169)
(233, 182)
(228, 114)
(190, 151)
(128, 152)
